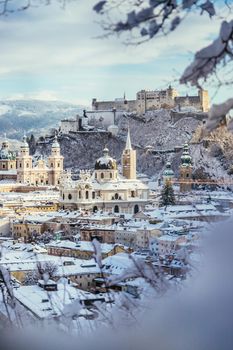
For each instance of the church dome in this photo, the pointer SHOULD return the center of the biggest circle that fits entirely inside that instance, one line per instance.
(106, 162)
(55, 143)
(186, 159)
(168, 170)
(4, 154)
(24, 143)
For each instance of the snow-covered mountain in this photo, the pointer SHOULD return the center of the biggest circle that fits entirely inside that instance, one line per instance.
(33, 116)
(157, 140)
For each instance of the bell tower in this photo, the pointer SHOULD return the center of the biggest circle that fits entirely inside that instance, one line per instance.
(24, 163)
(186, 170)
(55, 162)
(129, 160)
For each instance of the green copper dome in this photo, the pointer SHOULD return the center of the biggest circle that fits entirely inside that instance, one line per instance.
(186, 159)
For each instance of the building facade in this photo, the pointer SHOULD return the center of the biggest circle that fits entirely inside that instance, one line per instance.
(149, 100)
(45, 172)
(105, 189)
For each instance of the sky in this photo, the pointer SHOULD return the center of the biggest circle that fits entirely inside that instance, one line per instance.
(50, 53)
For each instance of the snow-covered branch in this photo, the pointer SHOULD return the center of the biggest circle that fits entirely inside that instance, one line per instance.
(206, 60)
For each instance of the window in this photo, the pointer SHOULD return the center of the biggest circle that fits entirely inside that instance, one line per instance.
(110, 175)
(58, 165)
(3, 166)
(79, 194)
(27, 165)
(93, 195)
(87, 194)
(63, 196)
(51, 165)
(95, 175)
(102, 175)
(116, 196)
(116, 209)
(69, 196)
(136, 209)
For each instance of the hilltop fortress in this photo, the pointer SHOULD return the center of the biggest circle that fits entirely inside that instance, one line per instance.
(147, 100)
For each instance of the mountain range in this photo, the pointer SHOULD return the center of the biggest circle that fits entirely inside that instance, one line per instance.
(33, 116)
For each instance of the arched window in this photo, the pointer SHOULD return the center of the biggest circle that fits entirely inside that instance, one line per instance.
(102, 175)
(95, 209)
(136, 209)
(51, 165)
(69, 196)
(116, 209)
(87, 194)
(27, 165)
(116, 196)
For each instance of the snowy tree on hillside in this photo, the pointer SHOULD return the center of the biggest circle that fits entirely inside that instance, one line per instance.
(167, 195)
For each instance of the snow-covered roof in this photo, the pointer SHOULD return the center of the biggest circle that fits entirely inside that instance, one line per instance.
(48, 304)
(81, 245)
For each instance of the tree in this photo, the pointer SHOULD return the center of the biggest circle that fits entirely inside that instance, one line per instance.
(167, 194)
(143, 20)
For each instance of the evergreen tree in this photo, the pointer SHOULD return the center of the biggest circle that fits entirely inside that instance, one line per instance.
(167, 194)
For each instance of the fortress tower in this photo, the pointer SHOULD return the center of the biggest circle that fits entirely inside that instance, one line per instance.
(129, 160)
(204, 100)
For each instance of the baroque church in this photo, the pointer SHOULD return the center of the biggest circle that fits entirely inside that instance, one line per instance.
(43, 173)
(106, 189)
(21, 168)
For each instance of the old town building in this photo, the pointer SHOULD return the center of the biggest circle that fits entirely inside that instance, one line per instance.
(106, 189)
(44, 172)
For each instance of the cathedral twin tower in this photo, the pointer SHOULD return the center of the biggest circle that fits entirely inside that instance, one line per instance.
(43, 173)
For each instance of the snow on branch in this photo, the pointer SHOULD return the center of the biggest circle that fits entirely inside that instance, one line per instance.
(148, 17)
(10, 6)
(207, 59)
(218, 113)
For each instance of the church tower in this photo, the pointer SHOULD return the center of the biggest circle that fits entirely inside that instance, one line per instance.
(186, 170)
(129, 160)
(55, 163)
(24, 163)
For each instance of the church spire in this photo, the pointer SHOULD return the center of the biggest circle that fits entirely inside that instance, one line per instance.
(129, 160)
(128, 145)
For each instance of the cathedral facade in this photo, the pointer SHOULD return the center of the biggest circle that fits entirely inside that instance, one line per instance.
(44, 172)
(105, 189)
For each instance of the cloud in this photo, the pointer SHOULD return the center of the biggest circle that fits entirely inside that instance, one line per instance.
(50, 49)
